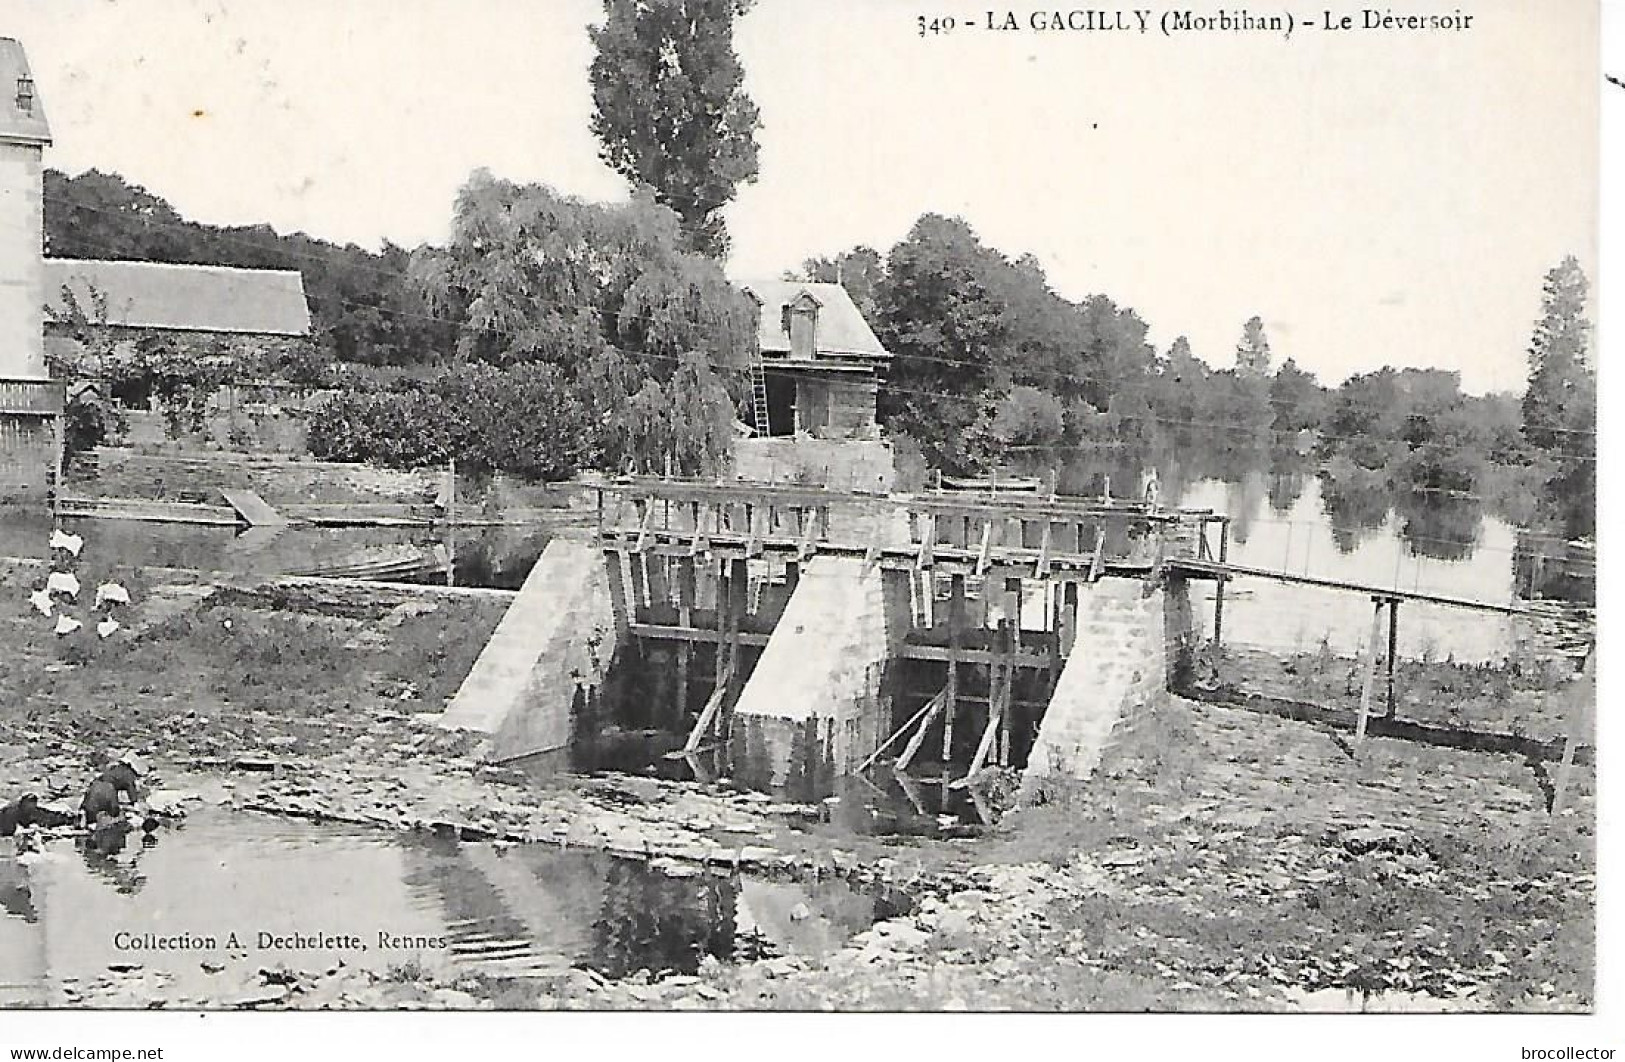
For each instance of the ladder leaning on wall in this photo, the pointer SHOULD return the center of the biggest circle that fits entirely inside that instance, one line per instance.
(758, 391)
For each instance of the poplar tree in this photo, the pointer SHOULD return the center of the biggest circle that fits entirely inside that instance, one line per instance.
(670, 109)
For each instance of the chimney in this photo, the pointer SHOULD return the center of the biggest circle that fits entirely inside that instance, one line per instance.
(803, 315)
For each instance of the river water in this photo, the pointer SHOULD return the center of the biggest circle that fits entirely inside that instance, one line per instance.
(526, 910)
(1284, 519)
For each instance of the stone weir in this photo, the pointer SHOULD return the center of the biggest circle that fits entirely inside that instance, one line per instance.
(1030, 639)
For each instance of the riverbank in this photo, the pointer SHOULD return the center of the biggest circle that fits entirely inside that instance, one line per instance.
(1222, 860)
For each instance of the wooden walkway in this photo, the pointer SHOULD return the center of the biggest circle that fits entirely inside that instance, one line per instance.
(1218, 570)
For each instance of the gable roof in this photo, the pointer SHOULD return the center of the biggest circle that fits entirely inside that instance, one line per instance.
(842, 331)
(16, 124)
(189, 298)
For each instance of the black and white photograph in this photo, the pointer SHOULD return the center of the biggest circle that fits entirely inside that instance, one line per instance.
(645, 506)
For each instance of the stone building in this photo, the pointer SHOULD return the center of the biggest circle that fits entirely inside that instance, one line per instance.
(241, 326)
(821, 360)
(248, 315)
(30, 404)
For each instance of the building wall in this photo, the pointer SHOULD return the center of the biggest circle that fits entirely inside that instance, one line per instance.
(836, 409)
(22, 272)
(842, 464)
(27, 440)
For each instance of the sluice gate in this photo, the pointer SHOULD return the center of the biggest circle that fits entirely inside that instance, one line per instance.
(797, 634)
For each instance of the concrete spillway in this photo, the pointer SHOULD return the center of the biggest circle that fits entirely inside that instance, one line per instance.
(555, 643)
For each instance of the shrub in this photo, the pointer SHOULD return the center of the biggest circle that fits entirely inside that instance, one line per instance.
(1029, 417)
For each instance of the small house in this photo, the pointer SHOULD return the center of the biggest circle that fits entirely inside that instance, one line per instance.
(821, 362)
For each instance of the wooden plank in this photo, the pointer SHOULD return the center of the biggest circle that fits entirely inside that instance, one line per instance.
(685, 612)
(912, 749)
(926, 711)
(1226, 571)
(982, 551)
(956, 627)
(809, 533)
(1370, 672)
(1042, 567)
(928, 542)
(984, 747)
(700, 543)
(253, 509)
(1582, 690)
(708, 715)
(1393, 651)
(617, 593)
(645, 525)
(753, 539)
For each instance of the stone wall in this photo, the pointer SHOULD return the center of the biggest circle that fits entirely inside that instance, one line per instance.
(1132, 638)
(552, 651)
(841, 464)
(816, 704)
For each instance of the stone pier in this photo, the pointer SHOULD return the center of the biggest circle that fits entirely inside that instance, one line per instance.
(1134, 640)
(553, 647)
(815, 704)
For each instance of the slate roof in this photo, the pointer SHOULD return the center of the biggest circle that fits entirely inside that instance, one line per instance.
(188, 298)
(16, 124)
(842, 332)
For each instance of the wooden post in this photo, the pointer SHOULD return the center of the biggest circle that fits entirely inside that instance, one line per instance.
(724, 604)
(982, 551)
(1011, 645)
(617, 593)
(1370, 670)
(923, 717)
(956, 628)
(1041, 568)
(928, 541)
(1393, 651)
(451, 521)
(1580, 691)
(739, 587)
(685, 619)
(1218, 593)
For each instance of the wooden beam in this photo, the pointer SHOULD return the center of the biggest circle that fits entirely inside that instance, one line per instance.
(753, 538)
(982, 551)
(956, 626)
(983, 747)
(685, 651)
(1370, 671)
(698, 543)
(809, 533)
(708, 715)
(1041, 569)
(645, 525)
(928, 542)
(1393, 651)
(926, 711)
(912, 749)
(1583, 688)
(694, 634)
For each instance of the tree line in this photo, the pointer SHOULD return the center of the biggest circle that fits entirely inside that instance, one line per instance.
(618, 324)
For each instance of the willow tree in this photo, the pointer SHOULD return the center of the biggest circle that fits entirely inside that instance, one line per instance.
(670, 109)
(634, 322)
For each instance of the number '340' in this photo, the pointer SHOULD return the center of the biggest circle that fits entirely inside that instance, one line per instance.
(943, 24)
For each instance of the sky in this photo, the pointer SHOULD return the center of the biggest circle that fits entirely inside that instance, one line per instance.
(1377, 198)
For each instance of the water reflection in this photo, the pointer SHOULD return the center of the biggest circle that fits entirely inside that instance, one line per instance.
(523, 911)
